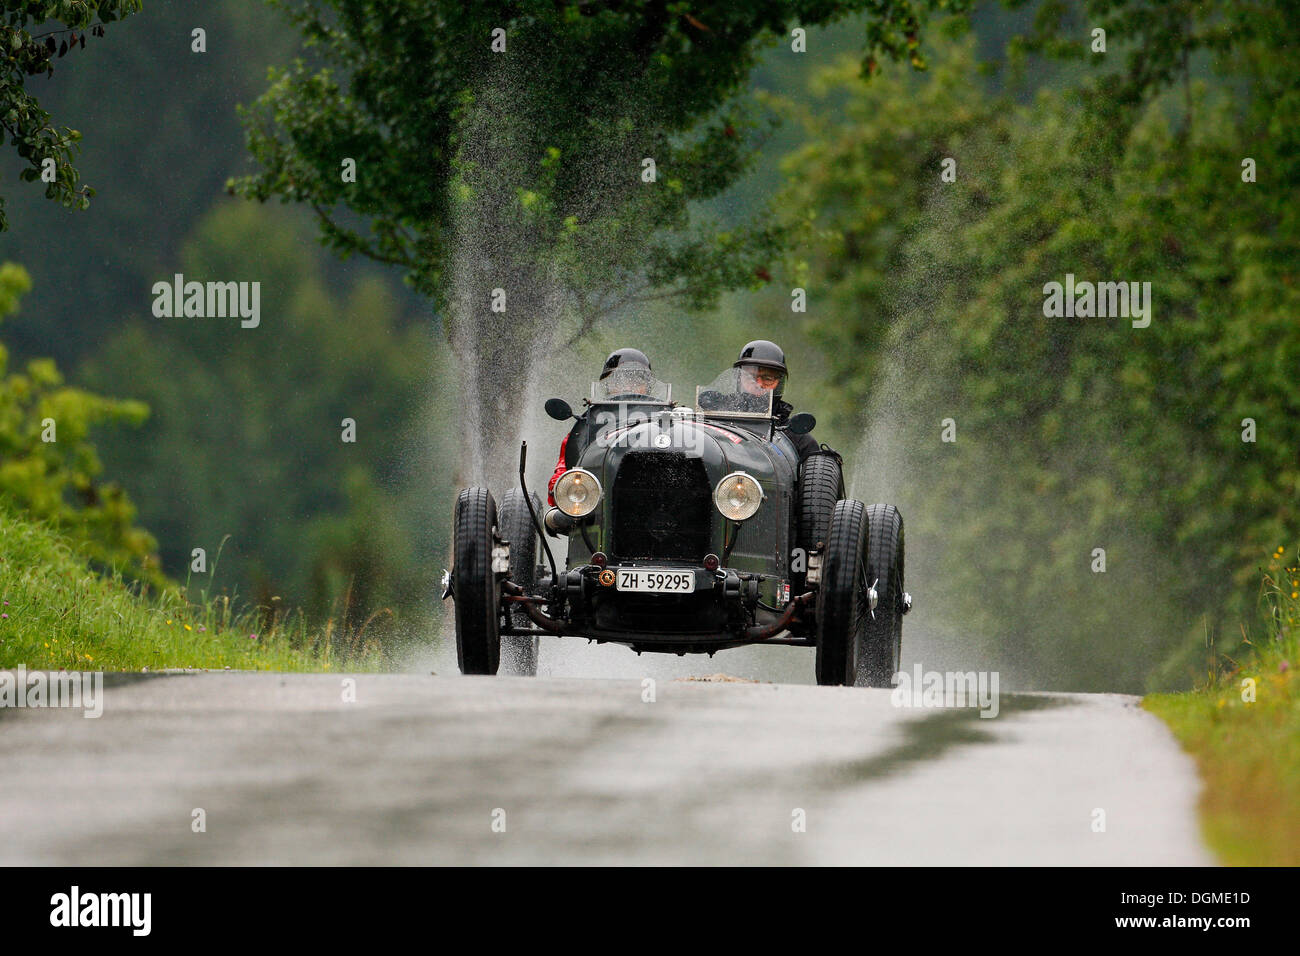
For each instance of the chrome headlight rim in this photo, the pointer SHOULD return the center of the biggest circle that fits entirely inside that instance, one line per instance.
(572, 473)
(757, 497)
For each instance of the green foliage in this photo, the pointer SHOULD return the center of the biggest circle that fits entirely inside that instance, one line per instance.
(1157, 40)
(159, 156)
(526, 168)
(868, 170)
(1074, 433)
(60, 613)
(1242, 725)
(550, 133)
(49, 468)
(300, 528)
(245, 439)
(24, 53)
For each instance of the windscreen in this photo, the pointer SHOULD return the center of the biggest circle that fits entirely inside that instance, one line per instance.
(634, 384)
(736, 393)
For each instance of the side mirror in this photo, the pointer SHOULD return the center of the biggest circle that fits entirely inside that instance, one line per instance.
(558, 409)
(801, 424)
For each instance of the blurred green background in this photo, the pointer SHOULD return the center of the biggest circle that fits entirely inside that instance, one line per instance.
(924, 303)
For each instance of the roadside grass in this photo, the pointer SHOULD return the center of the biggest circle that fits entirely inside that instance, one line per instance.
(58, 612)
(1249, 752)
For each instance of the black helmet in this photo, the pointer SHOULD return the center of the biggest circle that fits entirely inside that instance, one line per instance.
(625, 358)
(764, 354)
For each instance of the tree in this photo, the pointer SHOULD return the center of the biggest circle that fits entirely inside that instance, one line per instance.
(131, 155)
(1073, 433)
(49, 468)
(532, 166)
(248, 438)
(47, 150)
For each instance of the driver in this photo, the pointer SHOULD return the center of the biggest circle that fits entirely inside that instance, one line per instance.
(762, 370)
(626, 376)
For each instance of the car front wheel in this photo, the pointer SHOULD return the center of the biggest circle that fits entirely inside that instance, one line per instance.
(474, 585)
(519, 652)
(842, 596)
(880, 639)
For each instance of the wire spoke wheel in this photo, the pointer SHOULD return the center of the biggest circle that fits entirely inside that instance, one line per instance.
(880, 637)
(519, 652)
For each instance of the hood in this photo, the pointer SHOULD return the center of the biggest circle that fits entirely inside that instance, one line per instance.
(723, 447)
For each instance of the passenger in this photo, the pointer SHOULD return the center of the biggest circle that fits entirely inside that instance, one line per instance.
(626, 376)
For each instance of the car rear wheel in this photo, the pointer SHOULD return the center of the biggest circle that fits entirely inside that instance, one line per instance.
(474, 585)
(519, 653)
(880, 640)
(821, 485)
(842, 598)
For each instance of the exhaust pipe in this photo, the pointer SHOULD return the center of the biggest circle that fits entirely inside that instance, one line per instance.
(763, 631)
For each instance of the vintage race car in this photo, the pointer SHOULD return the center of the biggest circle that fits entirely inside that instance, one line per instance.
(689, 529)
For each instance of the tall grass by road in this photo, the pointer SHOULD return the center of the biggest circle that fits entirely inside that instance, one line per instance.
(57, 612)
(1243, 728)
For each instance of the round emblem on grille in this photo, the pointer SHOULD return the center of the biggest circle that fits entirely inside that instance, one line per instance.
(663, 441)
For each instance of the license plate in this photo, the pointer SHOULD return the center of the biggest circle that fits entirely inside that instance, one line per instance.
(656, 582)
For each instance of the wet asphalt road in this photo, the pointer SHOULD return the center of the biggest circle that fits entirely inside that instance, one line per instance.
(449, 770)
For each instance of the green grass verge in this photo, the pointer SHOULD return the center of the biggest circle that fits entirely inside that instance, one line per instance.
(59, 613)
(1248, 751)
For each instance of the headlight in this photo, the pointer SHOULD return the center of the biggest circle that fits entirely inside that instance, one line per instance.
(577, 493)
(738, 496)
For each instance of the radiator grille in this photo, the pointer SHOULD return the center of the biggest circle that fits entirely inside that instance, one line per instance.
(662, 508)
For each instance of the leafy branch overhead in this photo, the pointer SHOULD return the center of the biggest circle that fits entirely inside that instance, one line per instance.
(545, 135)
(32, 36)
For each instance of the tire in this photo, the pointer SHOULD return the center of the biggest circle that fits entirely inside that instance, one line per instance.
(519, 654)
(880, 642)
(841, 598)
(474, 586)
(821, 484)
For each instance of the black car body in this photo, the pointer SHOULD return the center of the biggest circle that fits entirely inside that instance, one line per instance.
(659, 470)
(652, 561)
